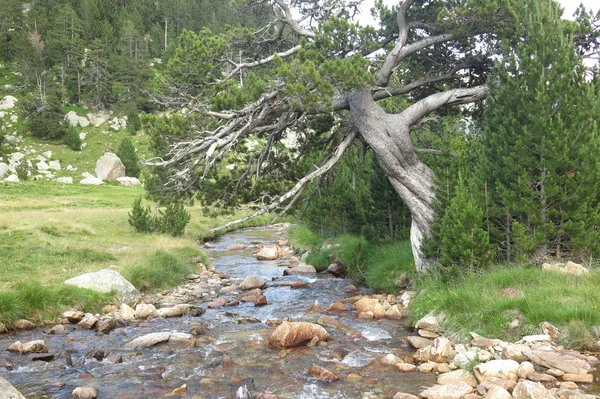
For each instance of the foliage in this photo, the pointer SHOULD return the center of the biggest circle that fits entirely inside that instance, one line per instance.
(133, 119)
(140, 217)
(72, 140)
(541, 148)
(160, 270)
(173, 219)
(45, 116)
(302, 238)
(465, 244)
(23, 170)
(128, 156)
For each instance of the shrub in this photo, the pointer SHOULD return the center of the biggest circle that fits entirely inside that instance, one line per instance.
(23, 170)
(163, 269)
(72, 140)
(133, 119)
(174, 219)
(140, 217)
(127, 155)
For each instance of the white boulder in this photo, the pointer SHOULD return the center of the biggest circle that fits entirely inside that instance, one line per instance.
(128, 181)
(7, 391)
(8, 102)
(107, 280)
(54, 165)
(76, 120)
(93, 181)
(109, 167)
(42, 166)
(12, 179)
(3, 169)
(65, 180)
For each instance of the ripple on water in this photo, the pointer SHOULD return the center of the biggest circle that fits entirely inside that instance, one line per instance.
(313, 391)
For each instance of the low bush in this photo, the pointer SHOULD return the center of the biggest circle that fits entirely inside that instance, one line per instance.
(172, 220)
(72, 140)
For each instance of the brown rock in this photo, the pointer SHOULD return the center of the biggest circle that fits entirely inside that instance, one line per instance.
(395, 312)
(447, 391)
(291, 334)
(217, 304)
(322, 373)
(550, 330)
(515, 352)
(23, 325)
(127, 312)
(497, 369)
(496, 392)
(73, 316)
(456, 377)
(531, 390)
(336, 307)
(261, 301)
(180, 391)
(365, 305)
(570, 385)
(16, 347)
(315, 307)
(42, 357)
(88, 321)
(431, 322)
(85, 393)
(337, 269)
(540, 377)
(391, 359)
(405, 367)
(440, 350)
(567, 361)
(105, 325)
(268, 252)
(143, 311)
(58, 329)
(509, 385)
(418, 342)
(350, 288)
(299, 285)
(251, 282)
(427, 334)
(586, 378)
(114, 358)
(511, 292)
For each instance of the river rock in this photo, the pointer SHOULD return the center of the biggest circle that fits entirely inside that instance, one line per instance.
(7, 391)
(496, 369)
(525, 368)
(145, 310)
(418, 342)
(402, 395)
(217, 303)
(440, 350)
(322, 373)
(336, 307)
(395, 312)
(126, 312)
(106, 324)
(252, 282)
(236, 247)
(302, 268)
(23, 325)
(291, 334)
(73, 316)
(175, 311)
(497, 392)
(38, 346)
(260, 301)
(109, 167)
(515, 352)
(85, 393)
(315, 307)
(114, 358)
(567, 361)
(269, 252)
(107, 280)
(447, 391)
(177, 339)
(531, 390)
(584, 378)
(337, 269)
(391, 359)
(456, 377)
(88, 321)
(431, 322)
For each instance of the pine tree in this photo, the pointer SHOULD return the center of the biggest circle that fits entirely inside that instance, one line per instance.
(140, 218)
(126, 153)
(541, 160)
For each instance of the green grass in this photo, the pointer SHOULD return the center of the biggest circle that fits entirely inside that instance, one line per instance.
(476, 302)
(38, 302)
(54, 232)
(379, 266)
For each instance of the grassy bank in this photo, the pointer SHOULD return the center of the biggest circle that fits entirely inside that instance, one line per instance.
(51, 232)
(485, 302)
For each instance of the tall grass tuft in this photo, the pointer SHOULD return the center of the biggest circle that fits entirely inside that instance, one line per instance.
(160, 270)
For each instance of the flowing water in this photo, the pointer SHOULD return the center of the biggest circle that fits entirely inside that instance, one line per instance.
(234, 352)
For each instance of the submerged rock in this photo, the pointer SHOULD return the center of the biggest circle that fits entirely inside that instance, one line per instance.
(291, 334)
(84, 393)
(322, 373)
(173, 339)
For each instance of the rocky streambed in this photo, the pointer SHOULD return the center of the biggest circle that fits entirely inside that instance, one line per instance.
(242, 329)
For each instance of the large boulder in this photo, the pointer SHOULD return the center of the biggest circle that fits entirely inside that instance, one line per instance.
(8, 102)
(76, 120)
(567, 361)
(7, 391)
(107, 280)
(291, 334)
(109, 167)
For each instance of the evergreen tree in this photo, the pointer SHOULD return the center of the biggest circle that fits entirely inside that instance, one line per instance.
(129, 158)
(541, 160)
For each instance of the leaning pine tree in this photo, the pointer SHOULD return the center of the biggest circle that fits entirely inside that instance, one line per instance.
(541, 163)
(312, 60)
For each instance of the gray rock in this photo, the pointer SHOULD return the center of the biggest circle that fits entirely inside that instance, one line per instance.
(7, 391)
(54, 165)
(252, 282)
(148, 340)
(8, 102)
(76, 120)
(128, 181)
(531, 390)
(456, 391)
(65, 180)
(94, 181)
(12, 179)
(107, 280)
(431, 322)
(109, 167)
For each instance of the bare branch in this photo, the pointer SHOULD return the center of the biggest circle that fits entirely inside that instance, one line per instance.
(263, 61)
(300, 185)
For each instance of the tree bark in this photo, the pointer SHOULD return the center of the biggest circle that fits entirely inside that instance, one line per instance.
(389, 138)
